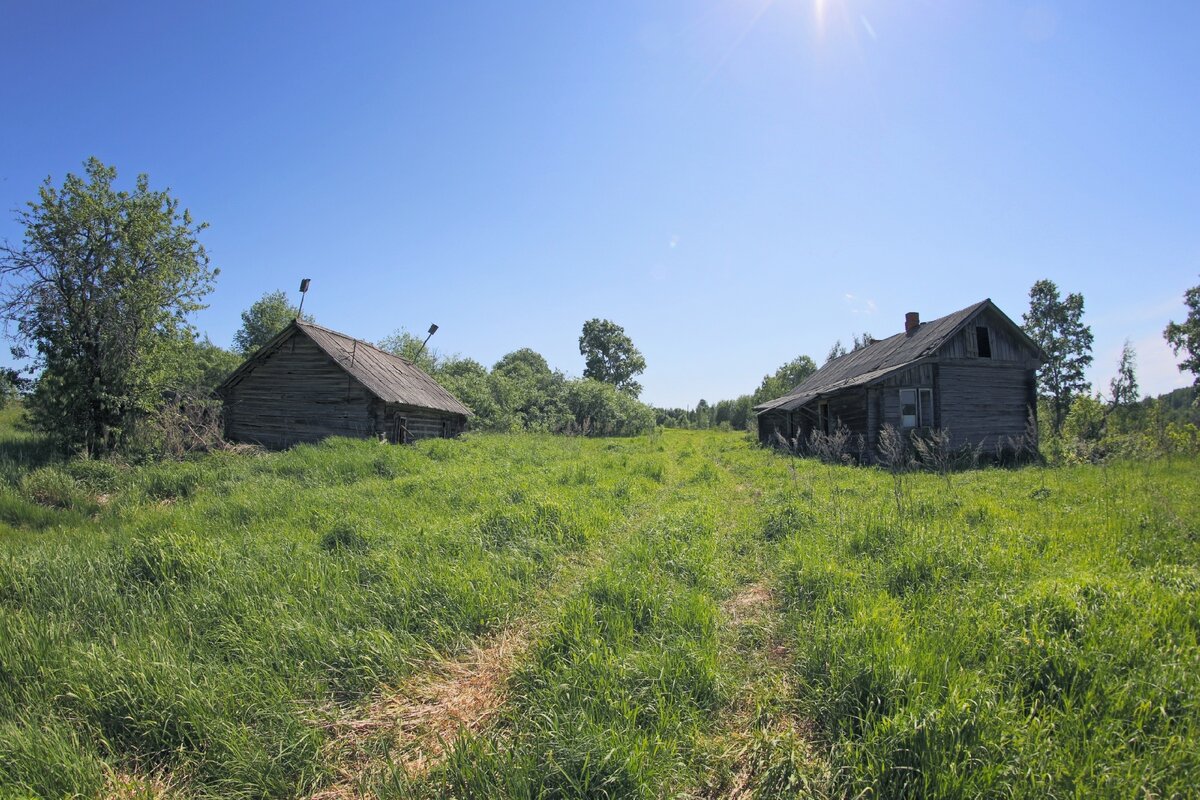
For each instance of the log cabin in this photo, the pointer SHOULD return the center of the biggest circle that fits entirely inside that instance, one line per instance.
(311, 382)
(972, 373)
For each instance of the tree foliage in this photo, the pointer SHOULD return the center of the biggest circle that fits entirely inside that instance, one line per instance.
(1056, 325)
(787, 377)
(199, 367)
(610, 356)
(1123, 387)
(101, 288)
(523, 393)
(738, 413)
(1185, 336)
(266, 317)
(865, 340)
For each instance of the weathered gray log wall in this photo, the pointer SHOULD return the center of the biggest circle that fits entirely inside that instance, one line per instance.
(406, 424)
(297, 394)
(984, 403)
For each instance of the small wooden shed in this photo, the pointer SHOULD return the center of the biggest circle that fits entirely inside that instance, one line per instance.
(972, 372)
(311, 382)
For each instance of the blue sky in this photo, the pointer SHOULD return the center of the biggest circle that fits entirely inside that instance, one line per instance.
(735, 182)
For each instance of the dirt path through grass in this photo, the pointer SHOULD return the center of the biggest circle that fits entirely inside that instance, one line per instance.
(759, 746)
(409, 729)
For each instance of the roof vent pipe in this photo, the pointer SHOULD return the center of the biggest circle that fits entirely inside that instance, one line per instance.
(912, 321)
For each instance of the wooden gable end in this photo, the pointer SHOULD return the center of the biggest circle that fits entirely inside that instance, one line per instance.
(296, 393)
(990, 337)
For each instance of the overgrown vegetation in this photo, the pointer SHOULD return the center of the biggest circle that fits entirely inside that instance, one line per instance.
(701, 617)
(522, 393)
(101, 289)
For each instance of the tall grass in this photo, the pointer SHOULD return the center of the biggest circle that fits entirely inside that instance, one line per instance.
(1018, 633)
(202, 619)
(1014, 638)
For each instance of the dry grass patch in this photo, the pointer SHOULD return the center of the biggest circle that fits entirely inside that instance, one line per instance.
(128, 786)
(413, 726)
(749, 606)
(761, 748)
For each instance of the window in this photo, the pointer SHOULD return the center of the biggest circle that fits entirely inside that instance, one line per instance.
(916, 408)
(983, 343)
(908, 408)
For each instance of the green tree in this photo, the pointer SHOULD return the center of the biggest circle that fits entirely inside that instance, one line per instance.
(735, 412)
(837, 351)
(529, 394)
(1056, 324)
(862, 341)
(609, 356)
(1123, 387)
(201, 367)
(784, 379)
(468, 380)
(1185, 335)
(101, 288)
(266, 317)
(12, 385)
(1083, 429)
(600, 409)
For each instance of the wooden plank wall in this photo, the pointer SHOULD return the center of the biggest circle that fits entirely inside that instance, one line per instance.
(419, 423)
(771, 421)
(297, 394)
(984, 403)
(849, 408)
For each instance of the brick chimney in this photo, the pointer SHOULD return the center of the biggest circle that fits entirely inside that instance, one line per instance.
(912, 321)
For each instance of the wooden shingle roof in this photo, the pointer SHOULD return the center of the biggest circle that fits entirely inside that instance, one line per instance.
(389, 377)
(884, 356)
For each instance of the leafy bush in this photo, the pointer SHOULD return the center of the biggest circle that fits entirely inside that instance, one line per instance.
(600, 409)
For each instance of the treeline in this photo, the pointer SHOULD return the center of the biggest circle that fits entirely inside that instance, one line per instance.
(1095, 428)
(738, 414)
(522, 393)
(1077, 423)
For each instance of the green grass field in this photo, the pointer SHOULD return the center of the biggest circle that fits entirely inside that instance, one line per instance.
(678, 615)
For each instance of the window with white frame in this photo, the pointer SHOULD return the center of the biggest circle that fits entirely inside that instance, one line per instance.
(926, 407)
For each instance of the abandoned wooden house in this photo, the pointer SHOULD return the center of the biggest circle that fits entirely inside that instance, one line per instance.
(971, 372)
(310, 382)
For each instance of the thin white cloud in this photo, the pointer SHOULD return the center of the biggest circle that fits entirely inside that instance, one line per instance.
(674, 241)
(867, 25)
(858, 305)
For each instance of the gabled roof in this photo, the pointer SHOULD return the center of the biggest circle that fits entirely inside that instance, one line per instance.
(389, 377)
(885, 356)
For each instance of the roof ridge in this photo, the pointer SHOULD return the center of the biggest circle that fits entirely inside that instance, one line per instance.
(882, 355)
(364, 342)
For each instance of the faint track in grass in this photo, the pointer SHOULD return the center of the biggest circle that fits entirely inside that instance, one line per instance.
(413, 726)
(760, 747)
